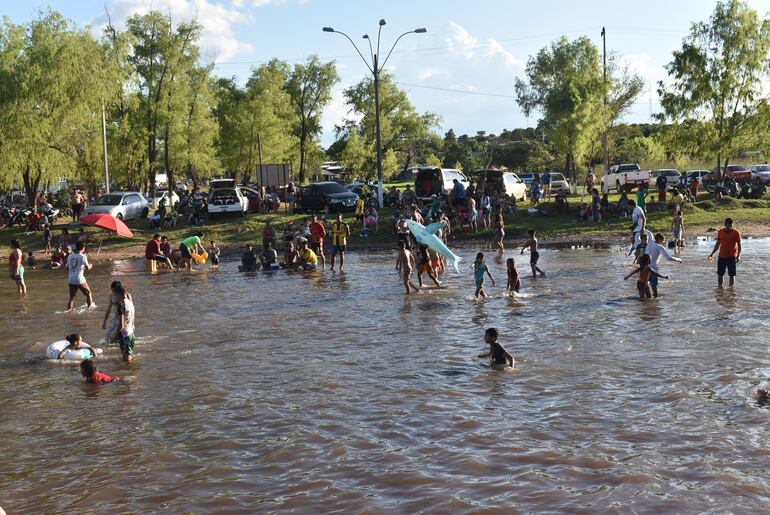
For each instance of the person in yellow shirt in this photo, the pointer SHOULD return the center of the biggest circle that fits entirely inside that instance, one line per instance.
(360, 212)
(307, 258)
(340, 234)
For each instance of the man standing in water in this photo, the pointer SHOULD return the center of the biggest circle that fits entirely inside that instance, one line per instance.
(340, 234)
(16, 266)
(729, 245)
(317, 235)
(77, 264)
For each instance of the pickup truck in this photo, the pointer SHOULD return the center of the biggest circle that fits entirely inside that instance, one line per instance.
(625, 177)
(737, 172)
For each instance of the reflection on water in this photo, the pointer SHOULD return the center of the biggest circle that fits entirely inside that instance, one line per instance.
(334, 391)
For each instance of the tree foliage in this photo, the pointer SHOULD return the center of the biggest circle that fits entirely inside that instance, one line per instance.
(714, 97)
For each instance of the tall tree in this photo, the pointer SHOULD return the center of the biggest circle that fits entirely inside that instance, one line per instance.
(565, 84)
(309, 87)
(714, 95)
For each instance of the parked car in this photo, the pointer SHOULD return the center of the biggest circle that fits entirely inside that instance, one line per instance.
(559, 183)
(699, 174)
(526, 178)
(315, 197)
(226, 197)
(673, 177)
(171, 199)
(508, 183)
(624, 177)
(431, 180)
(760, 173)
(253, 198)
(124, 205)
(358, 188)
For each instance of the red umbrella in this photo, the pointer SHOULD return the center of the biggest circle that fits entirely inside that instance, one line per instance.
(108, 223)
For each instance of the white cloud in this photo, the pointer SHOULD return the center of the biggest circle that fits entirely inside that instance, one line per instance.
(218, 41)
(256, 3)
(460, 42)
(431, 71)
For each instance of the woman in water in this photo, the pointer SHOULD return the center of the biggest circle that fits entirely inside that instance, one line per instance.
(111, 335)
(16, 266)
(75, 343)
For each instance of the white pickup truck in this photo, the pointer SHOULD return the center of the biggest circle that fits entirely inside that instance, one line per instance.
(625, 177)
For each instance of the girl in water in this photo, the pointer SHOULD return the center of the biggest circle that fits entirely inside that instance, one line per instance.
(499, 232)
(88, 370)
(16, 266)
(479, 269)
(514, 282)
(75, 343)
(645, 272)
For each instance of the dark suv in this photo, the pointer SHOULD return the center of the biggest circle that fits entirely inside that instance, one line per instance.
(316, 196)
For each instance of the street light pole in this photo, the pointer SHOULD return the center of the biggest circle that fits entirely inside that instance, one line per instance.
(375, 68)
(104, 151)
(604, 136)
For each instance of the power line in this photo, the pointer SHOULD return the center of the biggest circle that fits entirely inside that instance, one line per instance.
(450, 90)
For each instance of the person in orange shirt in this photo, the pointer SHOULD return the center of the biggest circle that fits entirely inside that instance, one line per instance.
(729, 245)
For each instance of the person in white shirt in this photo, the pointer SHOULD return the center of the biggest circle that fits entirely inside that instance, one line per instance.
(638, 218)
(77, 264)
(656, 249)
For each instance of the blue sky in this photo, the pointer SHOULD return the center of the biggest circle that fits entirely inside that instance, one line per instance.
(476, 49)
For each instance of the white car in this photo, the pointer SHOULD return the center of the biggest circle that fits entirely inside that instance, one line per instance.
(226, 197)
(760, 173)
(123, 205)
(507, 183)
(431, 180)
(624, 177)
(160, 194)
(558, 183)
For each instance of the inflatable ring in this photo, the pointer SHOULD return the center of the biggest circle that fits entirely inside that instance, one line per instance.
(53, 350)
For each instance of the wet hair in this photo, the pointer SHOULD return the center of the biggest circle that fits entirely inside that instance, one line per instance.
(80, 245)
(72, 338)
(480, 255)
(401, 244)
(15, 244)
(510, 261)
(531, 232)
(87, 368)
(644, 260)
(492, 332)
(643, 236)
(115, 284)
(728, 221)
(200, 234)
(659, 237)
(120, 290)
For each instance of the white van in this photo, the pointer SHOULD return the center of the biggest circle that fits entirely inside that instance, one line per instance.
(430, 180)
(507, 183)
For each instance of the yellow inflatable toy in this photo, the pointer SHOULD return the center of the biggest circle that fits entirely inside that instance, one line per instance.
(200, 258)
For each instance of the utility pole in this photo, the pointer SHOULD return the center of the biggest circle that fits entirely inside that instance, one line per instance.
(104, 151)
(378, 137)
(604, 136)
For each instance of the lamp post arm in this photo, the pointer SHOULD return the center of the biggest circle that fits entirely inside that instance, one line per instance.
(382, 67)
(357, 50)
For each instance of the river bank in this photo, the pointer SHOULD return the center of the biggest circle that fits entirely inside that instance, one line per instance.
(752, 218)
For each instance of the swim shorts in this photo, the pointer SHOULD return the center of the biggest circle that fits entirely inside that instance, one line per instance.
(728, 264)
(185, 251)
(653, 280)
(426, 268)
(339, 248)
(127, 344)
(500, 234)
(678, 233)
(534, 257)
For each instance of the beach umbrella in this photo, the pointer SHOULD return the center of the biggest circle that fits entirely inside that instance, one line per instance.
(108, 223)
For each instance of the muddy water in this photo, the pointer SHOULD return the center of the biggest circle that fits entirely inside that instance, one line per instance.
(336, 392)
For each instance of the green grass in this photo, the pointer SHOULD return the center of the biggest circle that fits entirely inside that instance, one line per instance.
(236, 232)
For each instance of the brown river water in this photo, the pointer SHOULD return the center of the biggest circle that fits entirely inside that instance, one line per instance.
(336, 392)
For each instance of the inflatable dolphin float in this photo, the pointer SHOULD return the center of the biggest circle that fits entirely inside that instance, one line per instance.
(427, 236)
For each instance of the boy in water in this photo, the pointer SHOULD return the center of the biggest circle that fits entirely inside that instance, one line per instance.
(534, 255)
(498, 356)
(307, 258)
(479, 269)
(94, 376)
(514, 282)
(214, 253)
(405, 264)
(645, 272)
(425, 266)
(677, 226)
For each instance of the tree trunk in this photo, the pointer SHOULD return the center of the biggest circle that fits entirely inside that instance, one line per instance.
(31, 184)
(151, 157)
(302, 159)
(167, 163)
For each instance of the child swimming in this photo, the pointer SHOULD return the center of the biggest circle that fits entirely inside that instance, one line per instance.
(75, 343)
(88, 370)
(479, 269)
(498, 356)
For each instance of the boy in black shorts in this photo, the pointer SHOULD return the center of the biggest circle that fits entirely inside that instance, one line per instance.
(534, 255)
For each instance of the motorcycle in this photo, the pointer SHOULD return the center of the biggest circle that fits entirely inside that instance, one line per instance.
(17, 215)
(49, 212)
(752, 191)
